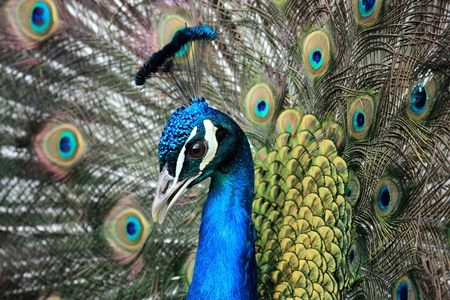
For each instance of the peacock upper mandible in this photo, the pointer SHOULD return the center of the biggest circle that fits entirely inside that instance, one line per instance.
(321, 126)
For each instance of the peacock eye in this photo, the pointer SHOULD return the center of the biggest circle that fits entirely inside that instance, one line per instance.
(198, 149)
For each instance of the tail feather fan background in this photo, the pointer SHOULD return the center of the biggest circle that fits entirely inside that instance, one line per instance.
(78, 145)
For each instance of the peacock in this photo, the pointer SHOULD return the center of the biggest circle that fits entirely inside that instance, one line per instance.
(264, 149)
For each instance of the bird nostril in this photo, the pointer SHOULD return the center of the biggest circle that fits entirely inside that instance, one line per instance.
(166, 186)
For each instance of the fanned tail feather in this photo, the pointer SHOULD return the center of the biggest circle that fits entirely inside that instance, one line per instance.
(357, 89)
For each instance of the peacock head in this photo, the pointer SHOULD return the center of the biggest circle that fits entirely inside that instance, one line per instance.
(197, 141)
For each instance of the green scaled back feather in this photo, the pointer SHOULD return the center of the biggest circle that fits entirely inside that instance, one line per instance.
(346, 105)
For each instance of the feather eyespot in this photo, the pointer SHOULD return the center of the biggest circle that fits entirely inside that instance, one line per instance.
(260, 103)
(405, 289)
(367, 11)
(387, 197)
(262, 108)
(353, 258)
(34, 21)
(126, 229)
(418, 99)
(361, 114)
(334, 132)
(133, 228)
(316, 59)
(289, 120)
(316, 52)
(366, 7)
(68, 144)
(41, 18)
(384, 198)
(129, 228)
(359, 120)
(59, 146)
(352, 190)
(421, 98)
(197, 150)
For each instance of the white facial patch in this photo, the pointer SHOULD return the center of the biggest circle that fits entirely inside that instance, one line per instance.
(182, 155)
(210, 137)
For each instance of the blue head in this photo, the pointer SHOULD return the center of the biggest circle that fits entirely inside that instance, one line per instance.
(196, 143)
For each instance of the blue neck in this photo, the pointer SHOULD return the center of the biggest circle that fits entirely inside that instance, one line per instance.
(225, 265)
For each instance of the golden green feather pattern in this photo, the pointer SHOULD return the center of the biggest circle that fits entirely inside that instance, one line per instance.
(301, 217)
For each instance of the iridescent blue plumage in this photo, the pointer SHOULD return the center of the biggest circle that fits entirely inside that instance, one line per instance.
(366, 7)
(418, 99)
(67, 144)
(226, 245)
(41, 17)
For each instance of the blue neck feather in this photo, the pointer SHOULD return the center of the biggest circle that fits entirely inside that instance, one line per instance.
(225, 266)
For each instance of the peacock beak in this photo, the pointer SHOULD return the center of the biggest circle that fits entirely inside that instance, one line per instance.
(169, 190)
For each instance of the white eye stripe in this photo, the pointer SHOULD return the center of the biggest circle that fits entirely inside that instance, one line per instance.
(182, 155)
(210, 137)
